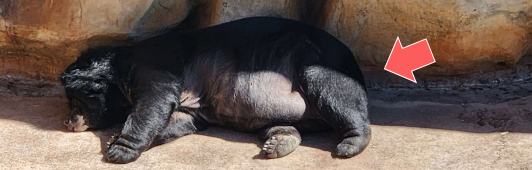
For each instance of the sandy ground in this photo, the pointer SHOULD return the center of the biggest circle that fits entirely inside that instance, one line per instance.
(406, 135)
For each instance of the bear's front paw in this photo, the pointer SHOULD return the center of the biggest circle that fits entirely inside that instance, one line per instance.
(121, 154)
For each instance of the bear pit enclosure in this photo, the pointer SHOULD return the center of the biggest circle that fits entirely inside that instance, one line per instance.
(472, 109)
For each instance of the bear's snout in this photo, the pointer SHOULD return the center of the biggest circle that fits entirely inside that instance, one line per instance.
(75, 123)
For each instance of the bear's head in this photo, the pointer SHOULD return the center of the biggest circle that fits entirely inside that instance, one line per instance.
(92, 92)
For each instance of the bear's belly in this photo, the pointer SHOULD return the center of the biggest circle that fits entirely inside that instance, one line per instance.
(255, 100)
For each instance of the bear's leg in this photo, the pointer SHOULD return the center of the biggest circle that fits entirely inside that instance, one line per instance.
(341, 101)
(180, 124)
(281, 140)
(155, 97)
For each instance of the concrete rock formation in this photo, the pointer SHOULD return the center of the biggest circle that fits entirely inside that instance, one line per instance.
(39, 39)
(465, 35)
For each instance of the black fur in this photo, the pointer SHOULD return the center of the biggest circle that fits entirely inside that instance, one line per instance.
(90, 87)
(273, 74)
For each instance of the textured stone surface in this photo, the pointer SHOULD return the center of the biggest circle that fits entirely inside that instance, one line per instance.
(465, 35)
(38, 39)
(213, 12)
(406, 135)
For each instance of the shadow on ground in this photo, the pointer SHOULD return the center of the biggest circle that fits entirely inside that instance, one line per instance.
(48, 113)
(513, 116)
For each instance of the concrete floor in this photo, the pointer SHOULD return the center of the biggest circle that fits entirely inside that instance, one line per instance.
(406, 135)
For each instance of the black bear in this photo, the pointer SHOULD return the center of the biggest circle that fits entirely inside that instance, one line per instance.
(270, 75)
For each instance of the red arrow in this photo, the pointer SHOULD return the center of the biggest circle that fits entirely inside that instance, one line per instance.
(403, 61)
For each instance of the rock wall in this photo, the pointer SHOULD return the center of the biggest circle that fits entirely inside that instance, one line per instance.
(38, 39)
(465, 35)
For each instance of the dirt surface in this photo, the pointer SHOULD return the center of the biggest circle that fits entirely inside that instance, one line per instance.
(406, 135)
(509, 82)
(478, 121)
